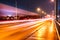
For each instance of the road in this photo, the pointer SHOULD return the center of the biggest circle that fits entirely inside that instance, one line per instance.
(33, 30)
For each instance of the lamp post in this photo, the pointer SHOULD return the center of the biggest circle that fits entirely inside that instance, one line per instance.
(16, 8)
(52, 0)
(39, 11)
(57, 11)
(54, 7)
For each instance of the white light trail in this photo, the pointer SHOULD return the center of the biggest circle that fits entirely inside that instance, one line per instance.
(14, 21)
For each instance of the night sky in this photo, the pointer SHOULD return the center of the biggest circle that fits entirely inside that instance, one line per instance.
(58, 4)
(31, 5)
(58, 7)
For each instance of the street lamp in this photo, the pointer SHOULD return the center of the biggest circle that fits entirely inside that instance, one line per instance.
(38, 9)
(58, 16)
(43, 12)
(52, 0)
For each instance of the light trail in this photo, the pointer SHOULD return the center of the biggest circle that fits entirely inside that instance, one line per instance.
(47, 32)
(30, 20)
(58, 23)
(57, 30)
(14, 21)
(11, 32)
(33, 30)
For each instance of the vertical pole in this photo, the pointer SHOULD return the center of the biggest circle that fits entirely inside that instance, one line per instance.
(56, 12)
(56, 9)
(16, 8)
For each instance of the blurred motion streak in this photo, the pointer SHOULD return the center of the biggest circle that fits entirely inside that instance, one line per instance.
(44, 29)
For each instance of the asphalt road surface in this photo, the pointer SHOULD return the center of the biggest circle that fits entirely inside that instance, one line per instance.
(32, 30)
